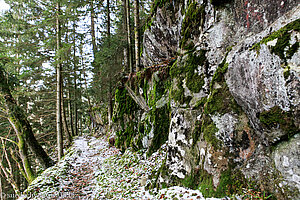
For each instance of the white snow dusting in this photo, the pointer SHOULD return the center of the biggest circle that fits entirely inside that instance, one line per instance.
(93, 170)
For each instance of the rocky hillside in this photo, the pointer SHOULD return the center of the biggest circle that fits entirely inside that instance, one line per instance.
(222, 90)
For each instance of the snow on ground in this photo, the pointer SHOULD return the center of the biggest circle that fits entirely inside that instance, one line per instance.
(93, 170)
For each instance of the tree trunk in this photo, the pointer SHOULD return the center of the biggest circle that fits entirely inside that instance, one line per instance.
(75, 82)
(137, 34)
(20, 123)
(93, 27)
(130, 63)
(70, 111)
(76, 107)
(109, 109)
(90, 111)
(69, 116)
(79, 106)
(64, 120)
(126, 50)
(58, 87)
(25, 159)
(109, 95)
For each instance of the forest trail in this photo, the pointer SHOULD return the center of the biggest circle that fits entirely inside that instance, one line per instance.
(74, 176)
(91, 169)
(79, 183)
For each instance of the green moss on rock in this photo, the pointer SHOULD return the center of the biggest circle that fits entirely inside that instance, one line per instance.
(155, 5)
(281, 44)
(159, 117)
(188, 71)
(206, 129)
(126, 105)
(200, 103)
(131, 132)
(161, 123)
(125, 136)
(231, 182)
(178, 94)
(194, 81)
(194, 18)
(124, 110)
(292, 50)
(275, 117)
(220, 99)
(283, 37)
(209, 129)
(218, 76)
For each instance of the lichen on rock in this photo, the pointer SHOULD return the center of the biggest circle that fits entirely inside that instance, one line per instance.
(231, 99)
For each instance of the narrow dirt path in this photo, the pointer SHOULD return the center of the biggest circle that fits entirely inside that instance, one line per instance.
(79, 183)
(91, 170)
(73, 177)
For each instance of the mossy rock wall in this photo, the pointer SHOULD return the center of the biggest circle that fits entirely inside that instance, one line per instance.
(229, 101)
(135, 127)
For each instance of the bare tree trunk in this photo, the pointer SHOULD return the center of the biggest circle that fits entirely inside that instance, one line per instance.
(69, 106)
(81, 124)
(79, 106)
(64, 120)
(129, 36)
(91, 112)
(126, 50)
(70, 111)
(109, 110)
(58, 87)
(137, 34)
(75, 103)
(93, 27)
(25, 159)
(75, 83)
(109, 95)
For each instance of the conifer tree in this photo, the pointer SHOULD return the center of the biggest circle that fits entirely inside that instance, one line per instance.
(58, 85)
(130, 54)
(137, 34)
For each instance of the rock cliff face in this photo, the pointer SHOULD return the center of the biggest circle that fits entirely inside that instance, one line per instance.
(224, 95)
